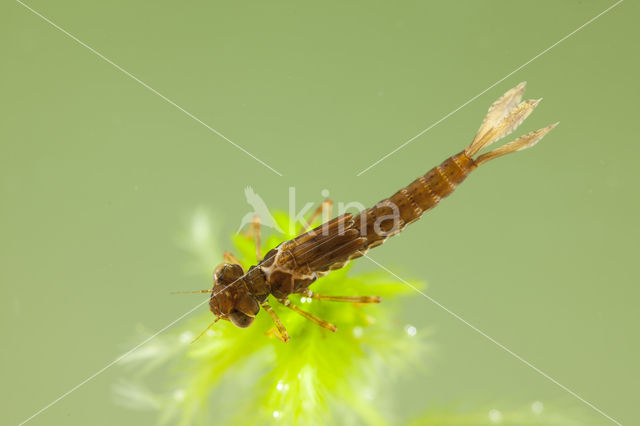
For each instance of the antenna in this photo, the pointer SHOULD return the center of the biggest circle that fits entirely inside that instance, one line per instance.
(191, 292)
(205, 330)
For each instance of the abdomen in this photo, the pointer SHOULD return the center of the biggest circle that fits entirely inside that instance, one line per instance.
(392, 215)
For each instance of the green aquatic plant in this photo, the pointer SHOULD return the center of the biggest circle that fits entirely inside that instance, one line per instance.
(248, 376)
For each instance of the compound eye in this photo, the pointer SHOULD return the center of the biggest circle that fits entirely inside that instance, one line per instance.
(227, 273)
(240, 320)
(218, 271)
(247, 305)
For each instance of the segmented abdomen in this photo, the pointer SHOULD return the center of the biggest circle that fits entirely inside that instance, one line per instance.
(392, 215)
(295, 264)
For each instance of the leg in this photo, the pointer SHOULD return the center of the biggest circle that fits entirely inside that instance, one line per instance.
(254, 229)
(205, 330)
(280, 332)
(228, 257)
(325, 209)
(351, 299)
(322, 323)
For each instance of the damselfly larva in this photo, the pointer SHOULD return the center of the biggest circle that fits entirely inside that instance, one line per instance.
(294, 265)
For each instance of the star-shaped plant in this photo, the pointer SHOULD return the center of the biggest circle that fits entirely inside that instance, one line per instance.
(248, 376)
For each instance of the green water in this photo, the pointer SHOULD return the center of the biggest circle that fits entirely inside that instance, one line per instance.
(100, 177)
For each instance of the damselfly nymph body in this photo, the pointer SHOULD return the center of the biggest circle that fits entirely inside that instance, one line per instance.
(291, 267)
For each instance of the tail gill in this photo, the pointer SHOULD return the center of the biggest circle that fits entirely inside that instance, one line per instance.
(504, 116)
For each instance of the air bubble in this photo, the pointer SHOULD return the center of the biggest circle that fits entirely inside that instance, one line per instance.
(282, 387)
(537, 407)
(368, 394)
(186, 337)
(495, 416)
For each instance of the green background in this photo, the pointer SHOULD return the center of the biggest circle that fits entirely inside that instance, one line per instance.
(100, 177)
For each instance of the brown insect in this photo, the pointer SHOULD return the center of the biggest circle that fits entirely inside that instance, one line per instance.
(292, 266)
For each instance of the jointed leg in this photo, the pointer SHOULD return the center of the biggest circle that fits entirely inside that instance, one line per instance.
(205, 330)
(281, 331)
(230, 258)
(326, 207)
(351, 299)
(254, 229)
(322, 323)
